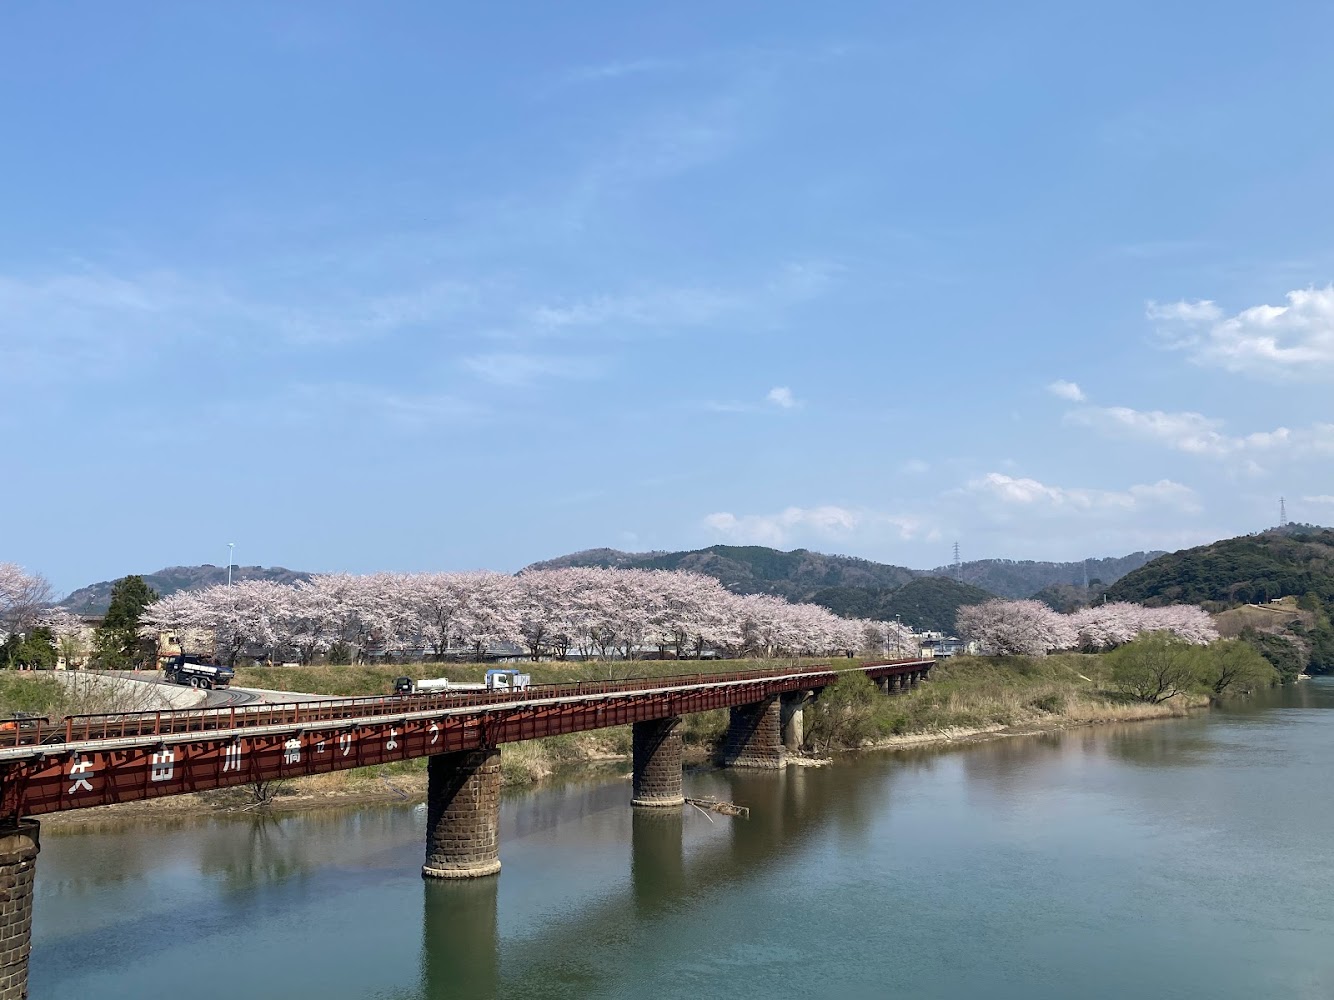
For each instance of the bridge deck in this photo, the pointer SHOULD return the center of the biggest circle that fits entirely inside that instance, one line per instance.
(99, 759)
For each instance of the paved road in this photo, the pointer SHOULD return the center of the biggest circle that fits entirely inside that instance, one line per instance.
(227, 696)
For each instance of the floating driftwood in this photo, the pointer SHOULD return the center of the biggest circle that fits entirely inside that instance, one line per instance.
(724, 808)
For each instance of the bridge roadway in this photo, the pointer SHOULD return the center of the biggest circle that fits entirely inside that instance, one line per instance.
(94, 760)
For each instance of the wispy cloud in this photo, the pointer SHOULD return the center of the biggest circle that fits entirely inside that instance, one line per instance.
(781, 396)
(1196, 434)
(517, 369)
(826, 522)
(684, 307)
(620, 68)
(1032, 494)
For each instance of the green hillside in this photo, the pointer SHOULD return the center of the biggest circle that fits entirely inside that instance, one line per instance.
(1251, 569)
(94, 598)
(1294, 561)
(752, 569)
(1020, 578)
(930, 602)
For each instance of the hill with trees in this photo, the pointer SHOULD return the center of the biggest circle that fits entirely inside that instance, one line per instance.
(751, 569)
(1020, 578)
(1240, 577)
(95, 598)
(929, 602)
(1251, 569)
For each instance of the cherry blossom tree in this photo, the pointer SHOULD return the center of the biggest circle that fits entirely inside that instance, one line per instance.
(1022, 628)
(23, 596)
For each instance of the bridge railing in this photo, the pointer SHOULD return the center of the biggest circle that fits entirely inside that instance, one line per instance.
(332, 710)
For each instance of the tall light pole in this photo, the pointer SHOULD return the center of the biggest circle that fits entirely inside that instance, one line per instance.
(230, 546)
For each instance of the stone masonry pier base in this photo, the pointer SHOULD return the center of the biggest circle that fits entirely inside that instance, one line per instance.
(754, 736)
(656, 749)
(462, 815)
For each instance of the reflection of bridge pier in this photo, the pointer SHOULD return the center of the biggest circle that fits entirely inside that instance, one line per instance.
(460, 949)
(657, 858)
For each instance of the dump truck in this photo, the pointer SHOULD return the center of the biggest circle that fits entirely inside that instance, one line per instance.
(196, 671)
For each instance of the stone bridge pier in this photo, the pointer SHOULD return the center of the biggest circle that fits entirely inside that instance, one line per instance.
(754, 736)
(656, 751)
(792, 715)
(462, 815)
(19, 846)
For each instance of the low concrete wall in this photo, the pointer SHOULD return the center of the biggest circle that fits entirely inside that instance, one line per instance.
(139, 690)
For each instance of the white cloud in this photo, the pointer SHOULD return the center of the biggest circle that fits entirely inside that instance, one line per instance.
(1031, 494)
(781, 396)
(1322, 498)
(1196, 434)
(1293, 340)
(1202, 311)
(1066, 390)
(515, 369)
(823, 522)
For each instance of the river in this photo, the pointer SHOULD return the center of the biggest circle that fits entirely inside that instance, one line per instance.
(1186, 858)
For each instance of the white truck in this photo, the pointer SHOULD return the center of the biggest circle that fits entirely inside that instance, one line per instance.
(498, 679)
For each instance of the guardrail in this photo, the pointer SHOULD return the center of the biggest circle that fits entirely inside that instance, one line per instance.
(174, 722)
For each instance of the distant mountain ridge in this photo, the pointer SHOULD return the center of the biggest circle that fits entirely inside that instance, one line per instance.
(800, 574)
(94, 598)
(1024, 578)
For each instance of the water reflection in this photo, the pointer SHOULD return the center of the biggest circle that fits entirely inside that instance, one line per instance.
(460, 954)
(657, 858)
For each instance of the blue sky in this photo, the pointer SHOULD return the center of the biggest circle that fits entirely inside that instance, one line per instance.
(419, 286)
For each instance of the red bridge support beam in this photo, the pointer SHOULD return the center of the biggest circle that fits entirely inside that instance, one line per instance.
(754, 736)
(462, 815)
(18, 868)
(656, 750)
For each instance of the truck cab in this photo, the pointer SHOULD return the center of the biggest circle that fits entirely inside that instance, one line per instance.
(507, 679)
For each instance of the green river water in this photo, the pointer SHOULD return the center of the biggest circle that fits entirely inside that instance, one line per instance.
(1188, 858)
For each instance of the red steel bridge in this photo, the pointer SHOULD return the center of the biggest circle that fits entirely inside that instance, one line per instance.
(94, 760)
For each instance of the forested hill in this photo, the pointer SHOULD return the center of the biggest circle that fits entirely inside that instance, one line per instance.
(1293, 560)
(93, 599)
(1024, 578)
(798, 575)
(751, 569)
(930, 602)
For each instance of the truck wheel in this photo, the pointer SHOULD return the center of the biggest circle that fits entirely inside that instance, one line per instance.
(205, 684)
(194, 682)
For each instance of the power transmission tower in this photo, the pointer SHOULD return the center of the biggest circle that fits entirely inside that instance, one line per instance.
(958, 566)
(1282, 512)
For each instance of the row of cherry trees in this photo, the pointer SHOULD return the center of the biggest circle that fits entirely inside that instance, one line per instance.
(1030, 628)
(605, 613)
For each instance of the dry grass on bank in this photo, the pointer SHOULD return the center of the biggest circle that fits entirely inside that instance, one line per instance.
(969, 694)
